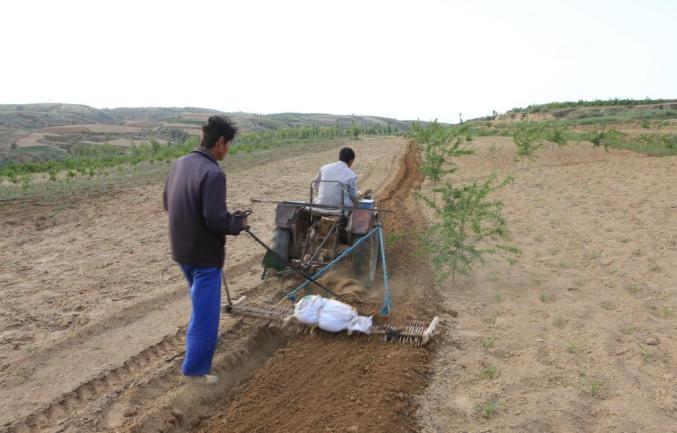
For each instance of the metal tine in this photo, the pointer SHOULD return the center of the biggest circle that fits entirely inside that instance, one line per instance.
(406, 332)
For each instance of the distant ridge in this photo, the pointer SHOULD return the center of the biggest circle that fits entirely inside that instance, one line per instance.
(35, 116)
(38, 132)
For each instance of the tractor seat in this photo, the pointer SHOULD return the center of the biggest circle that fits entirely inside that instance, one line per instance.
(325, 212)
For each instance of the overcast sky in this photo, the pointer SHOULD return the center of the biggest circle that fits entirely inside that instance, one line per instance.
(408, 60)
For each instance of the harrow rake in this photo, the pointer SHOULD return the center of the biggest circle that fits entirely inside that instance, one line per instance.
(415, 332)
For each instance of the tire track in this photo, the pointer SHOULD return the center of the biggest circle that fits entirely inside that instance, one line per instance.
(54, 414)
(158, 360)
(145, 393)
(125, 315)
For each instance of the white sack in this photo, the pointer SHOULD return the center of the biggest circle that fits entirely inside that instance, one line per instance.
(307, 310)
(335, 316)
(361, 324)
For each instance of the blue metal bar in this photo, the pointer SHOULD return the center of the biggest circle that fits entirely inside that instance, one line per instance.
(387, 302)
(292, 295)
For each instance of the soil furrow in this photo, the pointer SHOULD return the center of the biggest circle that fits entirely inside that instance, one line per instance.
(113, 391)
(153, 370)
(324, 383)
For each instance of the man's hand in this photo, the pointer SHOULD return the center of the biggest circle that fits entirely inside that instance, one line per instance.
(243, 216)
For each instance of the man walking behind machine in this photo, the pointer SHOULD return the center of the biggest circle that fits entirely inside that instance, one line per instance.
(195, 199)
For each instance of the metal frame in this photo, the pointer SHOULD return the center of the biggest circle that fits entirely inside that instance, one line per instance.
(331, 234)
(376, 231)
(343, 193)
(333, 231)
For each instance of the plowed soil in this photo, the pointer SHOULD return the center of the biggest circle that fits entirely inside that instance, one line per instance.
(335, 385)
(94, 311)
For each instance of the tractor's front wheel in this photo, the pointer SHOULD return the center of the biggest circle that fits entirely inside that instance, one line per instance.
(365, 260)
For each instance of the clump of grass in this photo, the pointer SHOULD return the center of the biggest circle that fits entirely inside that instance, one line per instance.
(393, 238)
(489, 342)
(593, 255)
(655, 268)
(491, 319)
(595, 386)
(634, 289)
(498, 297)
(571, 347)
(560, 322)
(667, 312)
(489, 372)
(629, 329)
(646, 353)
(546, 297)
(488, 409)
(609, 306)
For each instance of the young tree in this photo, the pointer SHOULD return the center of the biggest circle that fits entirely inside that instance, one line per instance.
(438, 144)
(530, 137)
(354, 131)
(604, 138)
(468, 226)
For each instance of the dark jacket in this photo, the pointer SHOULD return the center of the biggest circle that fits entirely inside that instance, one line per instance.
(195, 198)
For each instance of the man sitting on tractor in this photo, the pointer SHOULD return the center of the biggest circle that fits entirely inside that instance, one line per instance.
(337, 180)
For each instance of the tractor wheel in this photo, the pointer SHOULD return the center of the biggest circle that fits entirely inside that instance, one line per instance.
(365, 261)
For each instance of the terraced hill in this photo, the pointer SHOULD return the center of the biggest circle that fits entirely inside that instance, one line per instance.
(44, 131)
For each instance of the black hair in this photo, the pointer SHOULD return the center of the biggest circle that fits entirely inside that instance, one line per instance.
(346, 155)
(215, 128)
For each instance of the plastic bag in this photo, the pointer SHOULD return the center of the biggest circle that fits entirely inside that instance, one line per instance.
(335, 316)
(307, 310)
(361, 324)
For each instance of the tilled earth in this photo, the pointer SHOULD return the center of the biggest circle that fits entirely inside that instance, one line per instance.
(577, 335)
(94, 313)
(325, 383)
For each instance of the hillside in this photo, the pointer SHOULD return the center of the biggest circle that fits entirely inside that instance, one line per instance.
(39, 132)
(589, 112)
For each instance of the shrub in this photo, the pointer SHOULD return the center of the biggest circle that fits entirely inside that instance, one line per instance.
(468, 226)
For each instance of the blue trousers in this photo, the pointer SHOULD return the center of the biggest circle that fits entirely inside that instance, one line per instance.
(203, 329)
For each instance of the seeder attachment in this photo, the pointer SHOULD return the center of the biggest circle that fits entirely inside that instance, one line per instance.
(415, 332)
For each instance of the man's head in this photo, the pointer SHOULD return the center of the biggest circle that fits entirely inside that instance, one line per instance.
(217, 134)
(347, 155)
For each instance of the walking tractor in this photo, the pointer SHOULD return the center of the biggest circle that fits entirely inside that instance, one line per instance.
(310, 239)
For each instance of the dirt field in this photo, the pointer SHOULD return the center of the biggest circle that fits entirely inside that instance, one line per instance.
(577, 336)
(32, 139)
(93, 308)
(581, 331)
